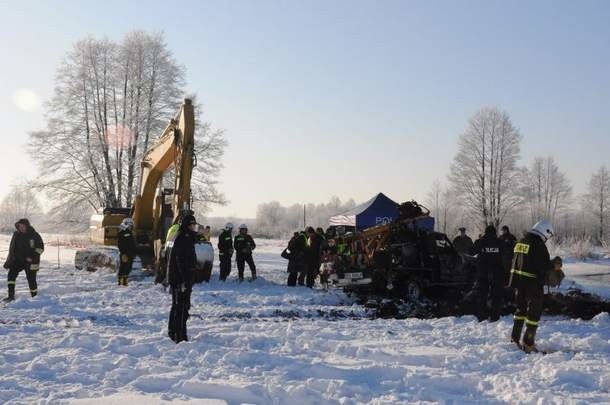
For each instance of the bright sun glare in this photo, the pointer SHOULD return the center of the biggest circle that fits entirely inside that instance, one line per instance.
(26, 99)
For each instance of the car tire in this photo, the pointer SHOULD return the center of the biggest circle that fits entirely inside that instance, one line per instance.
(413, 290)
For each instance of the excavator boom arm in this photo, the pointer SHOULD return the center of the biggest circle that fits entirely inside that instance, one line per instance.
(175, 147)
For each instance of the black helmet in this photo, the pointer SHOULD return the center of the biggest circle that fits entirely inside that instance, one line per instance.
(187, 221)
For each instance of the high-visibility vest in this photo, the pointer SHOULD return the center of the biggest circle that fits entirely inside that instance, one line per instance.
(172, 232)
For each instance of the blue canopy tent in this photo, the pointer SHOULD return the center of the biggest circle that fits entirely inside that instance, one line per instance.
(376, 211)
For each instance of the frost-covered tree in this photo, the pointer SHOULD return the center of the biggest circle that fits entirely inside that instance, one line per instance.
(484, 173)
(547, 190)
(111, 101)
(446, 213)
(598, 200)
(19, 202)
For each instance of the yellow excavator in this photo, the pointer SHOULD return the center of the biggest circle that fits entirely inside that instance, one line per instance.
(155, 209)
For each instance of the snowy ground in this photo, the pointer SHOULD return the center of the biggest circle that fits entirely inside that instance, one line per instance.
(86, 341)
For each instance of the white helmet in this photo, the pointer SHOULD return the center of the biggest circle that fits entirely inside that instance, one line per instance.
(229, 226)
(127, 223)
(544, 229)
(243, 226)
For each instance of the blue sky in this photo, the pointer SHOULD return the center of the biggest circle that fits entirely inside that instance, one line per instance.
(345, 98)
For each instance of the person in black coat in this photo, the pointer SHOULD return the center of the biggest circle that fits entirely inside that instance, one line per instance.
(490, 274)
(244, 245)
(127, 250)
(295, 253)
(462, 243)
(180, 272)
(531, 262)
(312, 256)
(24, 254)
(509, 240)
(225, 251)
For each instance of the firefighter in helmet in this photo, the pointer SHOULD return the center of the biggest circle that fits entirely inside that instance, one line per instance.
(244, 245)
(225, 250)
(531, 262)
(127, 250)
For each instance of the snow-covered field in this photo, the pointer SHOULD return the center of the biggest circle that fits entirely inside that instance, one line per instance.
(84, 340)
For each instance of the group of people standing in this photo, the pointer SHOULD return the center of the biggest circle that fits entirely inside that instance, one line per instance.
(242, 245)
(522, 266)
(304, 253)
(494, 262)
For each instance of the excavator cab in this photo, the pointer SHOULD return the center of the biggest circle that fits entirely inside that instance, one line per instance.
(104, 227)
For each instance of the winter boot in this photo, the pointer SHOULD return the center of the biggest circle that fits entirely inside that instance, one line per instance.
(515, 336)
(11, 292)
(529, 344)
(34, 293)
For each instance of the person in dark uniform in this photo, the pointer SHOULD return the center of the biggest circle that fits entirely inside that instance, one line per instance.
(323, 239)
(314, 245)
(490, 274)
(24, 254)
(462, 243)
(295, 253)
(303, 270)
(225, 250)
(531, 261)
(127, 250)
(244, 245)
(508, 241)
(180, 273)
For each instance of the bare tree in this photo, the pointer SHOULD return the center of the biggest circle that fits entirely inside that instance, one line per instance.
(440, 200)
(547, 190)
(210, 145)
(110, 102)
(484, 172)
(598, 200)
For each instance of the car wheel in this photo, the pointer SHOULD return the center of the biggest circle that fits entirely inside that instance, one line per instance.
(413, 290)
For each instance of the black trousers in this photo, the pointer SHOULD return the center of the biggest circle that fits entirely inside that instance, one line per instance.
(490, 289)
(529, 300)
(125, 267)
(179, 313)
(292, 278)
(311, 274)
(241, 265)
(225, 266)
(124, 270)
(301, 277)
(30, 275)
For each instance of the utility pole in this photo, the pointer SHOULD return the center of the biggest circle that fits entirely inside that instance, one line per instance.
(304, 216)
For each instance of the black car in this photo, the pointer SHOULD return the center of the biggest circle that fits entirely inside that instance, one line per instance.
(407, 261)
